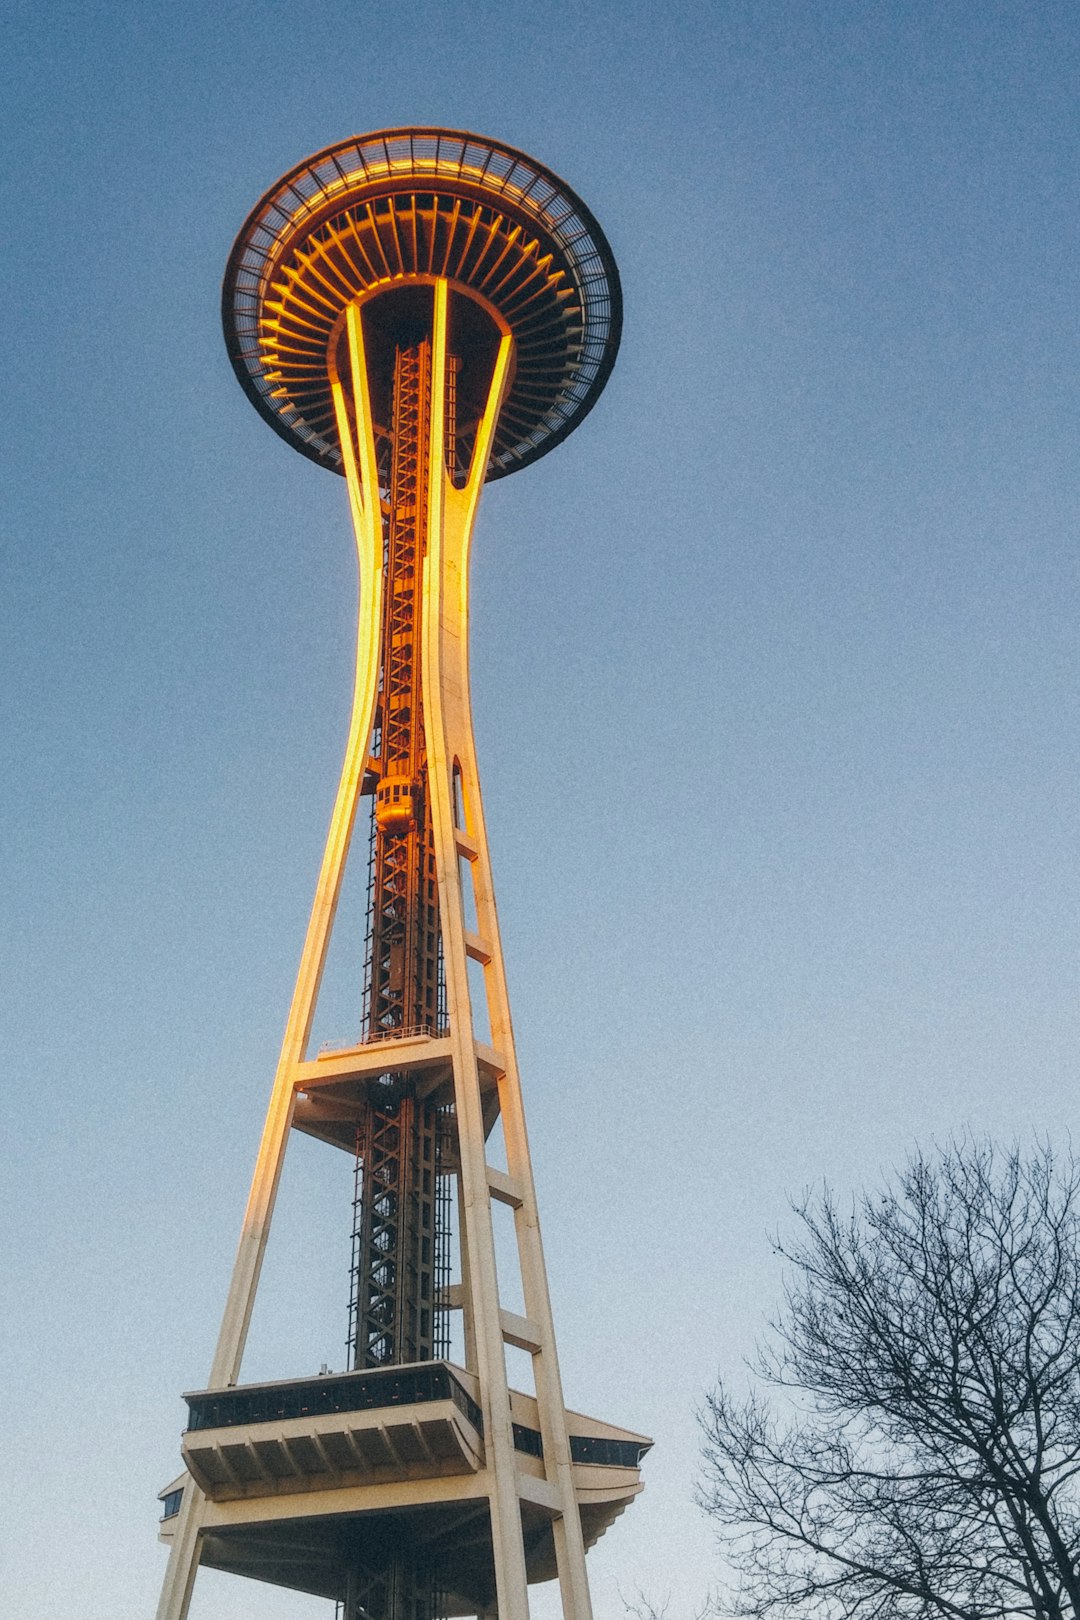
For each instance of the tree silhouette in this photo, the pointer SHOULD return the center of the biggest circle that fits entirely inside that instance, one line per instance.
(912, 1445)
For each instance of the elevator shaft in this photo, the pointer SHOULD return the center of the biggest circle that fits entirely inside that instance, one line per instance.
(391, 1586)
(404, 991)
(399, 1233)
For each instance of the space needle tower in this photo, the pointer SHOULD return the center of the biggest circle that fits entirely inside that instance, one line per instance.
(419, 311)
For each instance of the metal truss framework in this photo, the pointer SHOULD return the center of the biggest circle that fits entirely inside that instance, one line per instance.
(397, 1242)
(417, 371)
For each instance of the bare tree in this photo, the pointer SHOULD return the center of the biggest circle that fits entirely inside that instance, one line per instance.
(912, 1446)
(643, 1607)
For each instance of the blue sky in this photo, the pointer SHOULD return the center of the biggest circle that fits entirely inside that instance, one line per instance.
(774, 670)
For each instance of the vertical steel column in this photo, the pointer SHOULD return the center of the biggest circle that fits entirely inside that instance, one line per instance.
(454, 778)
(356, 428)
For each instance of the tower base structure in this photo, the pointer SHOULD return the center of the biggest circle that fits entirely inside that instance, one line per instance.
(421, 311)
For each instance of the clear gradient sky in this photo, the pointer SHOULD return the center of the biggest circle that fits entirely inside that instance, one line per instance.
(774, 672)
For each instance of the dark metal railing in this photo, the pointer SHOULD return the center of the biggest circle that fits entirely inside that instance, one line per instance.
(348, 1392)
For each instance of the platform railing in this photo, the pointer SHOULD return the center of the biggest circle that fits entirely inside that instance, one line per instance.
(408, 1032)
(370, 1390)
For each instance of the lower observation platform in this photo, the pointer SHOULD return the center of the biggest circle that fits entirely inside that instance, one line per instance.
(303, 1477)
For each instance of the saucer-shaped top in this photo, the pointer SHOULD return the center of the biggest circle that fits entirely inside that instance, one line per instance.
(404, 206)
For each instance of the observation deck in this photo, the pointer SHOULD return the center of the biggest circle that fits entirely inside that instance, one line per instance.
(404, 208)
(281, 1465)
